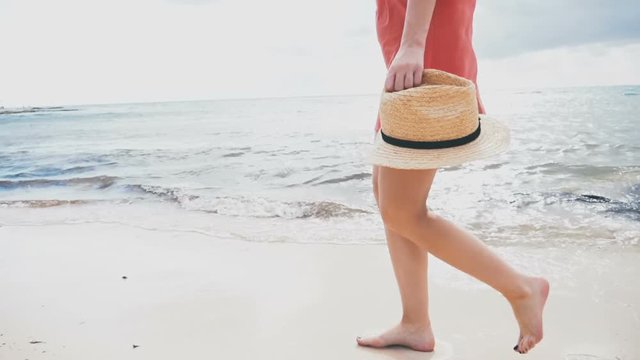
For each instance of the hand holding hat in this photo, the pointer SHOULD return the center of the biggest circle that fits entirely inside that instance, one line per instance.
(435, 124)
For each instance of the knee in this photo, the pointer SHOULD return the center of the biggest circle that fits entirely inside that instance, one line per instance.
(401, 218)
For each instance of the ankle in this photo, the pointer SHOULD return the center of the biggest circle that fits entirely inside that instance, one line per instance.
(415, 322)
(522, 289)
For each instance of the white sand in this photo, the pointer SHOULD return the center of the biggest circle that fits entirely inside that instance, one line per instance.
(190, 296)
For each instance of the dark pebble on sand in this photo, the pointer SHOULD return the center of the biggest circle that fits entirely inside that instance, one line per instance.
(124, 277)
(135, 346)
(36, 342)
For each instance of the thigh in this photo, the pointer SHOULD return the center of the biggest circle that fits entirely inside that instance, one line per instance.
(402, 190)
(374, 180)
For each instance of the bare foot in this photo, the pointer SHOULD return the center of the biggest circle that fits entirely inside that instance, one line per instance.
(528, 311)
(418, 338)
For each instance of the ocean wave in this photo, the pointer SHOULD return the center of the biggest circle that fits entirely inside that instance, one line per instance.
(54, 171)
(260, 207)
(629, 207)
(43, 203)
(582, 171)
(99, 182)
(32, 109)
(166, 193)
(233, 154)
(249, 206)
(358, 176)
(314, 180)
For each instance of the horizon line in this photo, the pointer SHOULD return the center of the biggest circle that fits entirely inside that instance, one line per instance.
(125, 102)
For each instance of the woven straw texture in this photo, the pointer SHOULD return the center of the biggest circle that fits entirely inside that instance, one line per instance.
(443, 107)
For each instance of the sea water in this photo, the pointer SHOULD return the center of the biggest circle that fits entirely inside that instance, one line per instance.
(294, 170)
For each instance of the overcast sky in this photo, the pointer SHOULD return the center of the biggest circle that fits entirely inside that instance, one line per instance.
(102, 51)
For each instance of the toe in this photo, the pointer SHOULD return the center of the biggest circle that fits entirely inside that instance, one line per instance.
(521, 347)
(518, 346)
(527, 344)
(373, 341)
(531, 343)
(377, 342)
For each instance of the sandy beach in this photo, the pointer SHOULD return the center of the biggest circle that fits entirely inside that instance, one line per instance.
(114, 291)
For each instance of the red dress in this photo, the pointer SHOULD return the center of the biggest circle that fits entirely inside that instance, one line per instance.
(449, 39)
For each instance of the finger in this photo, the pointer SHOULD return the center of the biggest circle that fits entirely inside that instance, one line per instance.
(399, 83)
(388, 84)
(417, 77)
(408, 80)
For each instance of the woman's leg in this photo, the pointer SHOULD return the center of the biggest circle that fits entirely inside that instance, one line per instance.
(402, 203)
(410, 268)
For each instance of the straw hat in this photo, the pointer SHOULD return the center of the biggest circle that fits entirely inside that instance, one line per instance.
(435, 124)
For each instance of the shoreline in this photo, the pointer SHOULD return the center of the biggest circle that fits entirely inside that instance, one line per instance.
(190, 295)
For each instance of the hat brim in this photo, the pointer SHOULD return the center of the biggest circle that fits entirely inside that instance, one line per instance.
(494, 138)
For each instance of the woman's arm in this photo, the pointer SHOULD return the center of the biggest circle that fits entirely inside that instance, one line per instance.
(406, 68)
